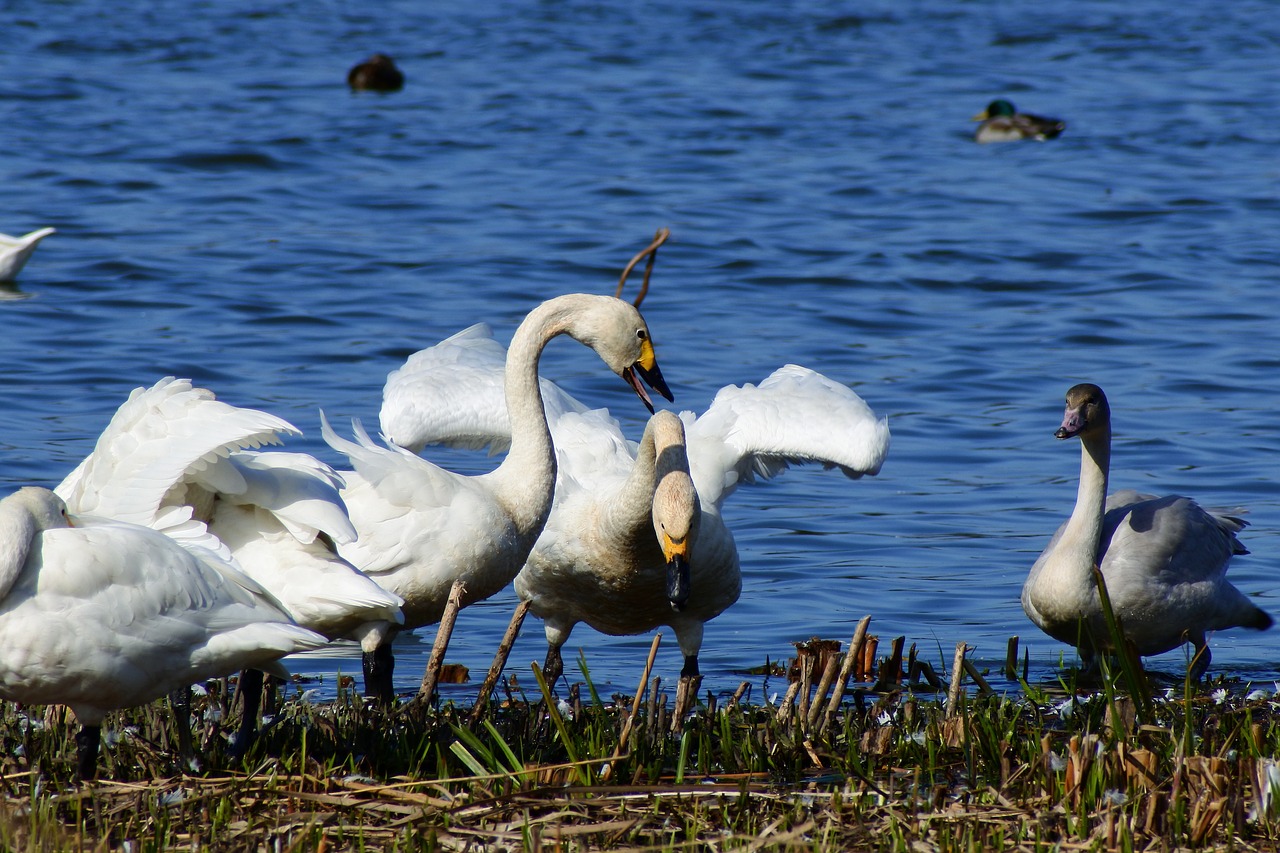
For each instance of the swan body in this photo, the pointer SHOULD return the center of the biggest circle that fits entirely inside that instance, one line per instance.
(174, 458)
(1002, 123)
(15, 251)
(100, 614)
(598, 560)
(1164, 559)
(422, 527)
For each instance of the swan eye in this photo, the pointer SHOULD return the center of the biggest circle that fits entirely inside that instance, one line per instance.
(642, 335)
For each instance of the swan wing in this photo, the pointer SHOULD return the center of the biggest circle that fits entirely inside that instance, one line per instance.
(15, 251)
(1171, 539)
(158, 437)
(453, 394)
(794, 416)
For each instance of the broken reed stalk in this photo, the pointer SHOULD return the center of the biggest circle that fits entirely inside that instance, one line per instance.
(957, 676)
(983, 687)
(785, 710)
(851, 659)
(607, 771)
(652, 251)
(499, 660)
(824, 684)
(686, 697)
(443, 633)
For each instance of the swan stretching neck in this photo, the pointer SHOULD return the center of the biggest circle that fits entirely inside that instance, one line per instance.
(421, 527)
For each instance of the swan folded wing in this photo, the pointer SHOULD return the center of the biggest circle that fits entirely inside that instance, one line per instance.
(1170, 539)
(300, 491)
(158, 437)
(794, 416)
(452, 394)
(319, 589)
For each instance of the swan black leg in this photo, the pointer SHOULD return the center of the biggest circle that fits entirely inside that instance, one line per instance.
(88, 740)
(553, 666)
(180, 705)
(378, 667)
(251, 703)
(690, 667)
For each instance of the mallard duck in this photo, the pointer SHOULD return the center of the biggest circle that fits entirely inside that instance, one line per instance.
(1164, 559)
(14, 251)
(1001, 122)
(378, 73)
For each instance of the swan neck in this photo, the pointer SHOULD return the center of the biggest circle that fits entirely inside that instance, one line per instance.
(17, 535)
(1084, 529)
(629, 514)
(526, 478)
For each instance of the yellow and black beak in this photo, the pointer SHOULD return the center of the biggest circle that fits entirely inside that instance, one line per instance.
(646, 368)
(678, 580)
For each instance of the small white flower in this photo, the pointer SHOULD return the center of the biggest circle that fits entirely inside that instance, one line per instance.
(885, 718)
(1117, 797)
(1066, 708)
(1219, 695)
(1057, 763)
(1257, 694)
(918, 737)
(199, 690)
(565, 709)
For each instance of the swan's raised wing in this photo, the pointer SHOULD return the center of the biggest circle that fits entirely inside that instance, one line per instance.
(155, 440)
(794, 416)
(452, 394)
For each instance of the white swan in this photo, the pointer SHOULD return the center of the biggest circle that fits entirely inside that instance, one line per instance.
(596, 561)
(422, 527)
(1164, 559)
(100, 614)
(172, 459)
(14, 251)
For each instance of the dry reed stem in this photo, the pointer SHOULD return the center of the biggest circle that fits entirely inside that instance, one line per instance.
(441, 645)
(652, 252)
(607, 772)
(499, 661)
(957, 676)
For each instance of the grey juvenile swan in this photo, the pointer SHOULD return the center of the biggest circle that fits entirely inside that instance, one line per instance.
(1164, 559)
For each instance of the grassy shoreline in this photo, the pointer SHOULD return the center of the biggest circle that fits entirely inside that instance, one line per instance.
(894, 764)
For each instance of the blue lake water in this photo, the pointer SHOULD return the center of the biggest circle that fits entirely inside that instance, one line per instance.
(228, 211)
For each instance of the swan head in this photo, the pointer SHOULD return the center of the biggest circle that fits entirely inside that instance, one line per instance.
(1088, 414)
(46, 509)
(617, 332)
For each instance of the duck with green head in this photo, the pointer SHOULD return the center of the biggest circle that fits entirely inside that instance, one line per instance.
(1001, 122)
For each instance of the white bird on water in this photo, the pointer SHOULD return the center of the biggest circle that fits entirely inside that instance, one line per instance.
(1163, 559)
(15, 251)
(100, 614)
(174, 458)
(598, 560)
(422, 527)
